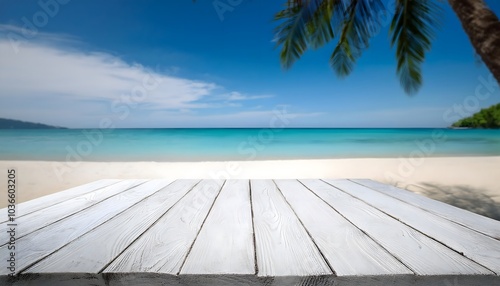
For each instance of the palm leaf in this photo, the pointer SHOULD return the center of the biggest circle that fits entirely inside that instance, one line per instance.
(412, 29)
(294, 33)
(314, 23)
(323, 26)
(360, 23)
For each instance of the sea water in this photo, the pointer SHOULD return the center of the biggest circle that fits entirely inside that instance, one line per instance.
(242, 144)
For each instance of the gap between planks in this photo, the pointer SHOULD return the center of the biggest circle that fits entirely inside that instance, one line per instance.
(476, 246)
(148, 228)
(307, 230)
(201, 227)
(94, 224)
(465, 218)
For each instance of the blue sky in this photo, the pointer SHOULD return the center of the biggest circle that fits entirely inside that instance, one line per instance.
(180, 64)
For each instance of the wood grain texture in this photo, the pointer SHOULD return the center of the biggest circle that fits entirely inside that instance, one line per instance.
(84, 255)
(476, 246)
(164, 247)
(348, 250)
(44, 217)
(466, 218)
(423, 255)
(56, 198)
(283, 246)
(45, 241)
(225, 243)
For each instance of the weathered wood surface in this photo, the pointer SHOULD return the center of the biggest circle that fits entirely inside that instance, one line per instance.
(420, 253)
(468, 219)
(348, 250)
(283, 246)
(164, 247)
(225, 243)
(53, 199)
(476, 246)
(249, 232)
(47, 216)
(44, 241)
(94, 257)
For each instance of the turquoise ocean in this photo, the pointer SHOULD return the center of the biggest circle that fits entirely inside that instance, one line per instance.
(242, 144)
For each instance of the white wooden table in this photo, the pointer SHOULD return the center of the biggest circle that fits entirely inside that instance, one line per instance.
(241, 232)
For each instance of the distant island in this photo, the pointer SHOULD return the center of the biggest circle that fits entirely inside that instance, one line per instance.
(17, 124)
(486, 118)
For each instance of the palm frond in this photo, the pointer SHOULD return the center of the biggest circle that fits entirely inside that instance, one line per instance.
(293, 33)
(412, 30)
(322, 28)
(360, 22)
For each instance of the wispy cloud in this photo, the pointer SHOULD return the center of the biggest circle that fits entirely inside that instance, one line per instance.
(50, 76)
(18, 37)
(236, 96)
(51, 72)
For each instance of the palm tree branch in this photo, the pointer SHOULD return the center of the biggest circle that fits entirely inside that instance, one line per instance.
(293, 33)
(360, 24)
(412, 30)
(323, 26)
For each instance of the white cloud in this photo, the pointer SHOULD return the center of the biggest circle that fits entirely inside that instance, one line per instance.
(49, 77)
(40, 70)
(18, 36)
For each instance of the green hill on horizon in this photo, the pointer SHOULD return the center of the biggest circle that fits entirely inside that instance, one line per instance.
(486, 118)
(18, 124)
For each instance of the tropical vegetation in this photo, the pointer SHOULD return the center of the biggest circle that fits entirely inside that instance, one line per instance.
(310, 24)
(486, 118)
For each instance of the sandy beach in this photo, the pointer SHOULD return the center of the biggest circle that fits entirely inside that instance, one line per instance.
(467, 182)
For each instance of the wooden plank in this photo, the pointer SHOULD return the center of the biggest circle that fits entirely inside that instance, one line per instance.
(423, 255)
(52, 199)
(466, 218)
(476, 246)
(85, 255)
(164, 247)
(44, 217)
(43, 242)
(225, 243)
(349, 251)
(283, 246)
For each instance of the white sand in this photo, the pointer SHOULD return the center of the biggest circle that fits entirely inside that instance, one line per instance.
(468, 182)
